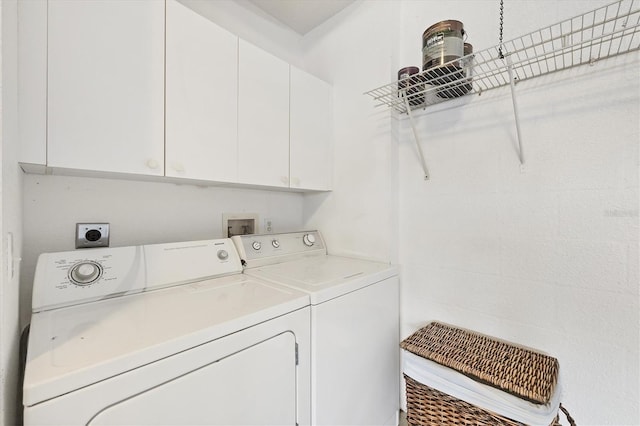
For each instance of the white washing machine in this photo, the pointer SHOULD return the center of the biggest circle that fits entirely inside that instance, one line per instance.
(354, 324)
(166, 334)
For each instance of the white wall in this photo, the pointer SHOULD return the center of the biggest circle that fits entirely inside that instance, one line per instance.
(10, 216)
(548, 256)
(250, 23)
(355, 52)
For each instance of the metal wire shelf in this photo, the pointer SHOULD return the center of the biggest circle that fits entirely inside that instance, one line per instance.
(601, 33)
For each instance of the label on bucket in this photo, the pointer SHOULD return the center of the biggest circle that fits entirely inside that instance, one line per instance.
(441, 48)
(435, 40)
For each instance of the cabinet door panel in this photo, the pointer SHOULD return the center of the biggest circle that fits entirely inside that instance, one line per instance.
(311, 132)
(202, 97)
(106, 86)
(263, 118)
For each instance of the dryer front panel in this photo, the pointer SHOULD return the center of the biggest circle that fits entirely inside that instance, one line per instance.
(256, 386)
(259, 375)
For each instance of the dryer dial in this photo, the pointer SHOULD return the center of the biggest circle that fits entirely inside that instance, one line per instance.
(84, 273)
(256, 245)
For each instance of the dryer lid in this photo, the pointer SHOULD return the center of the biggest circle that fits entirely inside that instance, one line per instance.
(73, 347)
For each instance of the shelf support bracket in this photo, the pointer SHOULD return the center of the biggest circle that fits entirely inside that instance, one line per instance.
(415, 135)
(512, 83)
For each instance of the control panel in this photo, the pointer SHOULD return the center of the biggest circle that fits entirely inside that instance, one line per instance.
(178, 263)
(81, 276)
(72, 277)
(256, 250)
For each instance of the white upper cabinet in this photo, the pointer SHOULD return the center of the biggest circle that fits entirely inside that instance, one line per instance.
(152, 88)
(263, 118)
(311, 132)
(201, 97)
(106, 86)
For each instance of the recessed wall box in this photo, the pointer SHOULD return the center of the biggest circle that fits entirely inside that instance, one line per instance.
(92, 235)
(239, 224)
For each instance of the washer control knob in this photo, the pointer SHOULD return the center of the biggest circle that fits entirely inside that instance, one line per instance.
(275, 243)
(308, 240)
(256, 245)
(223, 254)
(85, 273)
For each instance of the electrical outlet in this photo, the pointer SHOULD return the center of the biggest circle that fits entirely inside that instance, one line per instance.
(268, 226)
(92, 235)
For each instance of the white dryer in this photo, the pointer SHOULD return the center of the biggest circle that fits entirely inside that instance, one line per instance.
(164, 334)
(354, 324)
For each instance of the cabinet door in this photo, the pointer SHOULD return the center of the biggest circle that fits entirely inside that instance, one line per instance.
(263, 118)
(311, 132)
(202, 97)
(106, 86)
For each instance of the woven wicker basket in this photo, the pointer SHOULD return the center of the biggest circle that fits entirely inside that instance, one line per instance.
(522, 372)
(429, 407)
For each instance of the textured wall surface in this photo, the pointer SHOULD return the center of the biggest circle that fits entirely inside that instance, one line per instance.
(545, 255)
(354, 51)
(10, 217)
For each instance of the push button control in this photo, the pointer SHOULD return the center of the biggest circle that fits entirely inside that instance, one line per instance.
(309, 240)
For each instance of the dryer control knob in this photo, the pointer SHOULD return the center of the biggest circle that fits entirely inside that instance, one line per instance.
(85, 273)
(308, 240)
(256, 245)
(223, 254)
(275, 243)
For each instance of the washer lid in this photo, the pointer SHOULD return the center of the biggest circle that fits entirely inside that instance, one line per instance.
(73, 347)
(325, 277)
